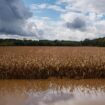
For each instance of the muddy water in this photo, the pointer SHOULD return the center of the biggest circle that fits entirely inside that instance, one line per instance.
(52, 92)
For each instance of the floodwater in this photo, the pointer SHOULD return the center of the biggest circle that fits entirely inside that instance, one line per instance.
(52, 92)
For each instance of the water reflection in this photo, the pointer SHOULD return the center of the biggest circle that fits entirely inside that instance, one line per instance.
(52, 92)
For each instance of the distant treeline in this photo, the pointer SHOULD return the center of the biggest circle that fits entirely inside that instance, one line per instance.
(16, 42)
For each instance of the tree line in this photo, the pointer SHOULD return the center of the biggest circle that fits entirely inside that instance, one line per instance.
(87, 42)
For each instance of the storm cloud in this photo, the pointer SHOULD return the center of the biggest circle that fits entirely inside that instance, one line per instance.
(60, 20)
(13, 16)
(77, 24)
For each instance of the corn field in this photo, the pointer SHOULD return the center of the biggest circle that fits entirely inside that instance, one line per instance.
(45, 62)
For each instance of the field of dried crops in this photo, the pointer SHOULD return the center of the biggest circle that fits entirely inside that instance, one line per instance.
(45, 62)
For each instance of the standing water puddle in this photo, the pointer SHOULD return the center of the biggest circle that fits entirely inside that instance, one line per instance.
(52, 92)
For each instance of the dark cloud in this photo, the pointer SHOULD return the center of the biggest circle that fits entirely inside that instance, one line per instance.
(13, 15)
(77, 24)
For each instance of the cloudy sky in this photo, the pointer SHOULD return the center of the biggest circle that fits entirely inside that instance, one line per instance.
(52, 19)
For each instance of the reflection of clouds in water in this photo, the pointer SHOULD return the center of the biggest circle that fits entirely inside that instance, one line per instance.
(47, 98)
(59, 92)
(64, 98)
(79, 96)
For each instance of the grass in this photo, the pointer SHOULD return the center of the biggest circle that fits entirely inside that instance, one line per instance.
(45, 62)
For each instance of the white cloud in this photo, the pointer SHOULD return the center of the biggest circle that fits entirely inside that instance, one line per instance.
(47, 6)
(53, 30)
(97, 6)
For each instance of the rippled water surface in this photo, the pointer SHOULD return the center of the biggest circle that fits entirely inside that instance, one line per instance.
(52, 92)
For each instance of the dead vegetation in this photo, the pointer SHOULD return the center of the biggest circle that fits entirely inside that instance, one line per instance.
(45, 62)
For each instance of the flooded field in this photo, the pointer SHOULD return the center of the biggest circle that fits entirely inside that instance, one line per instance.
(52, 92)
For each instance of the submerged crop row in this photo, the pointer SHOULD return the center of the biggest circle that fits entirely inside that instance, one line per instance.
(45, 62)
